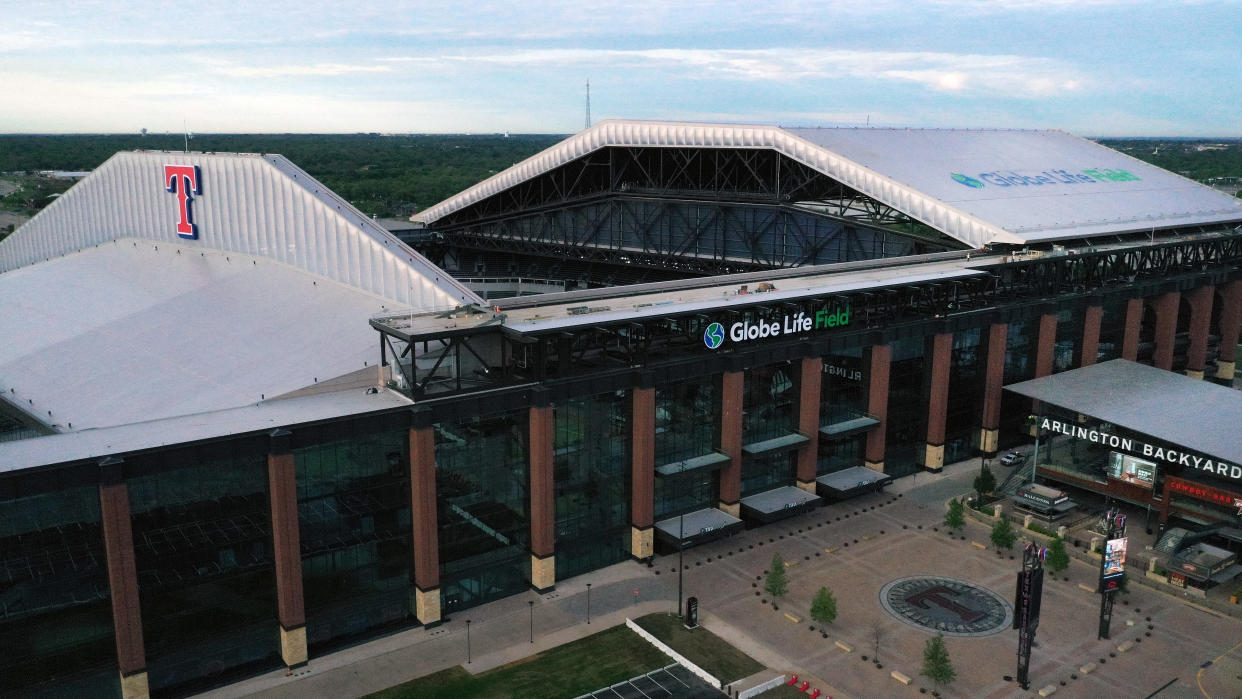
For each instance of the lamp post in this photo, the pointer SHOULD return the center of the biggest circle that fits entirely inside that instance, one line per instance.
(681, 548)
(532, 619)
(1035, 455)
(468, 658)
(588, 603)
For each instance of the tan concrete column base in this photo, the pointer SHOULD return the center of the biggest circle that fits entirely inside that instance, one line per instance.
(933, 457)
(1224, 370)
(135, 686)
(734, 510)
(989, 440)
(808, 486)
(542, 572)
(293, 646)
(875, 465)
(1194, 374)
(427, 605)
(642, 542)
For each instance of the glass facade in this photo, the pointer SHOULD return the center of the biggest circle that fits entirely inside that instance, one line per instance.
(768, 407)
(1067, 350)
(1019, 366)
(965, 393)
(592, 474)
(907, 407)
(1112, 330)
(55, 614)
(687, 424)
(202, 545)
(482, 512)
(843, 397)
(354, 516)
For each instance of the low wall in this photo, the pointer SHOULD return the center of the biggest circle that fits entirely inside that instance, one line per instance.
(760, 689)
(677, 657)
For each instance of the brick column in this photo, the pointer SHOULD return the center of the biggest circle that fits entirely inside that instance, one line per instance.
(1200, 300)
(1166, 306)
(731, 385)
(1091, 320)
(118, 539)
(642, 473)
(937, 400)
(286, 550)
(542, 500)
(1230, 325)
(810, 385)
(993, 382)
(1133, 325)
(876, 361)
(1045, 345)
(424, 523)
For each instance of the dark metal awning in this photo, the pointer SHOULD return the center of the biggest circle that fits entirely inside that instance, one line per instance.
(778, 499)
(853, 478)
(697, 526)
(713, 460)
(783, 443)
(848, 428)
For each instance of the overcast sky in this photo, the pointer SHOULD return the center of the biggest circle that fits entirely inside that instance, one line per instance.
(1093, 67)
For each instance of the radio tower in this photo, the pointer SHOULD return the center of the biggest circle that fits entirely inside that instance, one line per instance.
(588, 104)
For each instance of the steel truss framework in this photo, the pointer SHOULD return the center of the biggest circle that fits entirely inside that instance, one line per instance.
(1011, 288)
(701, 210)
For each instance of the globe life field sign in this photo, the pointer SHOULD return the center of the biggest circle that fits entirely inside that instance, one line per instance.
(716, 334)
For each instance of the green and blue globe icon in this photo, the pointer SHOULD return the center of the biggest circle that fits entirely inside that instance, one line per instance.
(714, 336)
(967, 180)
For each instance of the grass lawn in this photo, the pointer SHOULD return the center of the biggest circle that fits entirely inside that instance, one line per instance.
(570, 670)
(701, 647)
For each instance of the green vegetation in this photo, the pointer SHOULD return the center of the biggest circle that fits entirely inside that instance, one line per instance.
(32, 193)
(1197, 159)
(936, 665)
(701, 647)
(955, 518)
(1058, 558)
(1003, 535)
(985, 482)
(1036, 527)
(382, 175)
(777, 583)
(570, 670)
(824, 606)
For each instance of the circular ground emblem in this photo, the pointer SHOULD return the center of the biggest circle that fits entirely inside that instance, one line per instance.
(952, 607)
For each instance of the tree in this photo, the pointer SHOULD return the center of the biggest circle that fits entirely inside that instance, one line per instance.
(1058, 558)
(777, 583)
(936, 665)
(1003, 535)
(955, 518)
(824, 606)
(985, 483)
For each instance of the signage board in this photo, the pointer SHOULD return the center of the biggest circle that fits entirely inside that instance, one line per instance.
(1177, 580)
(717, 334)
(1114, 558)
(1169, 455)
(692, 613)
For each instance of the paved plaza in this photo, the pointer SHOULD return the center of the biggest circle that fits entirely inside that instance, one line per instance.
(1173, 649)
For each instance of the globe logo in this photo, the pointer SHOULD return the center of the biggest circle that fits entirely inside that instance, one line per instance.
(713, 337)
(967, 180)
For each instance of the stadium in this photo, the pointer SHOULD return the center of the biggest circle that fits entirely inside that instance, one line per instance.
(244, 424)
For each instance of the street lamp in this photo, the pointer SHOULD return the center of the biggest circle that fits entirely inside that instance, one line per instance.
(681, 548)
(468, 658)
(588, 603)
(532, 619)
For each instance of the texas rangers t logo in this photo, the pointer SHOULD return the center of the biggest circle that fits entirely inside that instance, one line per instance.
(184, 180)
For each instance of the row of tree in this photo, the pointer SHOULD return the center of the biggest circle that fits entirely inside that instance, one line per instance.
(936, 664)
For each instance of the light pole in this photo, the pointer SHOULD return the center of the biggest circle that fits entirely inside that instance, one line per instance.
(468, 658)
(532, 619)
(1035, 455)
(588, 603)
(681, 548)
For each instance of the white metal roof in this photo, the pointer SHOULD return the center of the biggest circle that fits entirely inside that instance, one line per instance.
(135, 330)
(258, 205)
(1002, 199)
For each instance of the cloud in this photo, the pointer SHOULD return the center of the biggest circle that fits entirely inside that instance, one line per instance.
(318, 69)
(1002, 74)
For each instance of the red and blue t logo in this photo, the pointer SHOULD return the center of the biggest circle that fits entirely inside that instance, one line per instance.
(184, 180)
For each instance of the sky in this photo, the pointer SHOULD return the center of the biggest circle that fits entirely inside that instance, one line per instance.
(1091, 67)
